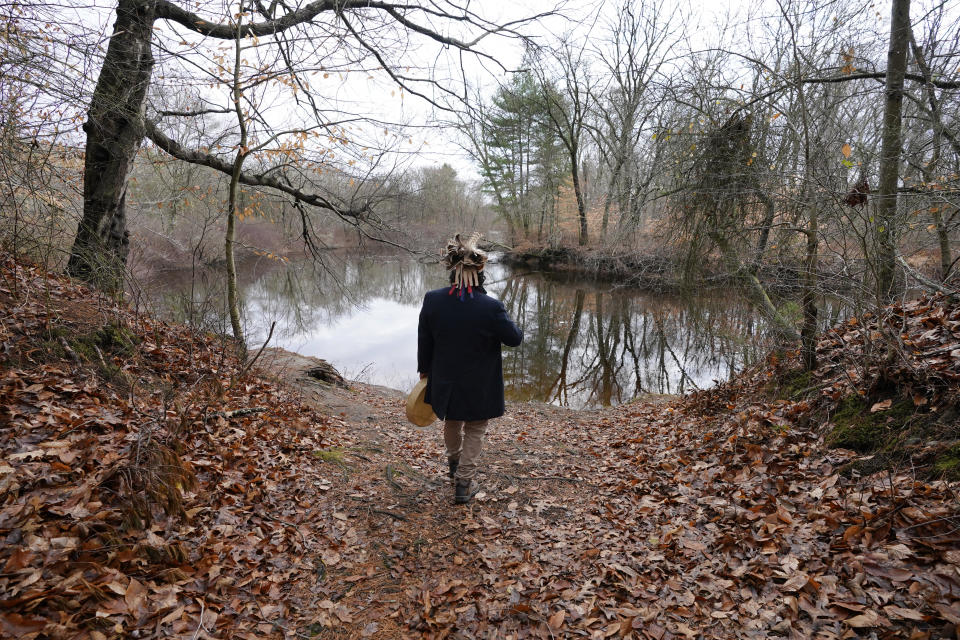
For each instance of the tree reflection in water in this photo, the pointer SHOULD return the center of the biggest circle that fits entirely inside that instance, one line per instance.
(586, 344)
(299, 296)
(589, 345)
(305, 296)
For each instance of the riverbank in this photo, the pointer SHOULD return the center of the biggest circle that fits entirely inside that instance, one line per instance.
(154, 486)
(659, 271)
(651, 272)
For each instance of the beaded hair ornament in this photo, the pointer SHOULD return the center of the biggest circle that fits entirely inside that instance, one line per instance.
(466, 261)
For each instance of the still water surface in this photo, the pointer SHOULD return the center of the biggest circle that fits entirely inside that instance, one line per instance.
(586, 344)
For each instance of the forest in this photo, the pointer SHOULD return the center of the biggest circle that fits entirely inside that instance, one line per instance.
(727, 233)
(802, 146)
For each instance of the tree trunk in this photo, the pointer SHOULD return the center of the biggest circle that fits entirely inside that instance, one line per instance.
(946, 254)
(929, 169)
(543, 216)
(233, 208)
(769, 217)
(581, 207)
(233, 296)
(552, 218)
(754, 289)
(114, 130)
(606, 218)
(808, 331)
(614, 181)
(885, 225)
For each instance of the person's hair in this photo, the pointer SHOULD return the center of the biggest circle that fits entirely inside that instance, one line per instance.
(481, 276)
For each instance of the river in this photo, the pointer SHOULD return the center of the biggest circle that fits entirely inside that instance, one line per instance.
(586, 343)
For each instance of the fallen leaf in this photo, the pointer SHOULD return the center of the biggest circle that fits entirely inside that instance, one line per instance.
(868, 618)
(556, 620)
(906, 614)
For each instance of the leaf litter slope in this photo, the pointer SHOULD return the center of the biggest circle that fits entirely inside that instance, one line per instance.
(133, 500)
(716, 516)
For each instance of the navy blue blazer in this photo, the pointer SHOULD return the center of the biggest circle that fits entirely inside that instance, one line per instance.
(458, 347)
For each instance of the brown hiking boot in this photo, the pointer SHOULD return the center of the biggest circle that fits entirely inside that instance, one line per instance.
(462, 494)
(454, 463)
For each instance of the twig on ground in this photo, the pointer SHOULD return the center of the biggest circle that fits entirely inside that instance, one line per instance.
(237, 413)
(70, 352)
(295, 527)
(200, 624)
(388, 472)
(396, 516)
(262, 347)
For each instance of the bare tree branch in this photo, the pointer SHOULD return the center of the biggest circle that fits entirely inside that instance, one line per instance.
(192, 156)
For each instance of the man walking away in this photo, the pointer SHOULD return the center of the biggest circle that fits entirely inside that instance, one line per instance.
(458, 350)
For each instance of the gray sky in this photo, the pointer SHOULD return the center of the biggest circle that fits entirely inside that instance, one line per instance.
(374, 95)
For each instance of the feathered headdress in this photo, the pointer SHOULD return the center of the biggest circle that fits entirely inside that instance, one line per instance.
(466, 261)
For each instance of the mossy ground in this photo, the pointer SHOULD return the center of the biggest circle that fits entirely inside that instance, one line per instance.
(857, 428)
(95, 347)
(795, 384)
(947, 463)
(333, 454)
(902, 435)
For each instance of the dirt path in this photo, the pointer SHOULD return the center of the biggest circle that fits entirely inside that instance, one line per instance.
(397, 534)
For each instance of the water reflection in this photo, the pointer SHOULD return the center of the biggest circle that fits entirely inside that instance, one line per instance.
(585, 345)
(589, 346)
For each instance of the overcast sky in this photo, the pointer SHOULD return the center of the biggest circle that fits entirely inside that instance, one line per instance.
(375, 95)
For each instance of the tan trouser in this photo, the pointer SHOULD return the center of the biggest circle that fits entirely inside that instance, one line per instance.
(464, 442)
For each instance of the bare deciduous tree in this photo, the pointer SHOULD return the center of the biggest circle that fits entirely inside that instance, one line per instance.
(364, 36)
